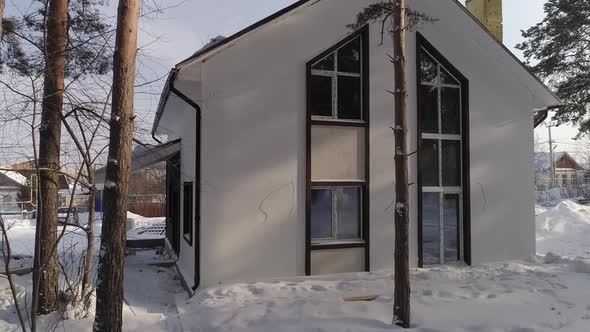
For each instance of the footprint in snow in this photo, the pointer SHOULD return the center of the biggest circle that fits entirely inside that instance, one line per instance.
(318, 288)
(547, 292)
(421, 276)
(445, 294)
(255, 290)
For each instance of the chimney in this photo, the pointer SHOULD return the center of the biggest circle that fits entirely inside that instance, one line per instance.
(489, 13)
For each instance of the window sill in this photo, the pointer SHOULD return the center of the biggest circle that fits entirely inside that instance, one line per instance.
(337, 244)
(337, 122)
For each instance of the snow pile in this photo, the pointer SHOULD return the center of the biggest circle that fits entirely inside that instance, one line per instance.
(140, 227)
(539, 209)
(564, 230)
(555, 195)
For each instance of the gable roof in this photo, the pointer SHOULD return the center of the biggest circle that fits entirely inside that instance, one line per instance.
(218, 43)
(564, 158)
(543, 160)
(12, 179)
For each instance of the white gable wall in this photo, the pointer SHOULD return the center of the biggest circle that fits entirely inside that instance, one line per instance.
(253, 142)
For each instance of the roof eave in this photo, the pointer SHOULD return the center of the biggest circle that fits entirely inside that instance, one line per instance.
(241, 33)
(163, 100)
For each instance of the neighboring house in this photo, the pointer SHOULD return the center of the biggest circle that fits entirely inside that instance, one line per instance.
(286, 161)
(568, 172)
(28, 170)
(148, 179)
(12, 185)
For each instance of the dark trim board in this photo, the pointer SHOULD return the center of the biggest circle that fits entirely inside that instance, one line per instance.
(422, 42)
(365, 185)
(336, 123)
(338, 246)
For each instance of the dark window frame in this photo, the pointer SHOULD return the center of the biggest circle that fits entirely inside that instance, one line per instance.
(333, 120)
(334, 219)
(187, 211)
(422, 43)
(312, 121)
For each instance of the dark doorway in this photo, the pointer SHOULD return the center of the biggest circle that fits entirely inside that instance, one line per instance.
(173, 202)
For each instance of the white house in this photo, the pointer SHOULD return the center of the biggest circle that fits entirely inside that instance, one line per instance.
(285, 163)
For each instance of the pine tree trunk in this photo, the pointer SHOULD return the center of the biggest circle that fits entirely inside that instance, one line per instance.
(45, 276)
(1, 17)
(401, 306)
(88, 264)
(109, 301)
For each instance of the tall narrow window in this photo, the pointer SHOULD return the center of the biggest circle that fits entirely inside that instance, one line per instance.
(337, 156)
(187, 209)
(441, 184)
(336, 92)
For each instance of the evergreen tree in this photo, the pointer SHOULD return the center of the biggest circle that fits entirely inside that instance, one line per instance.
(558, 50)
(61, 41)
(88, 46)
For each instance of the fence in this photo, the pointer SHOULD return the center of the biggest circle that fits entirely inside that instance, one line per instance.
(553, 196)
(148, 210)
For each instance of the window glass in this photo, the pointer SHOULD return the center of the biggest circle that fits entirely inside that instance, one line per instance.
(446, 78)
(348, 212)
(450, 110)
(349, 98)
(188, 210)
(336, 84)
(428, 68)
(431, 228)
(349, 57)
(429, 163)
(451, 226)
(321, 213)
(429, 103)
(326, 63)
(321, 95)
(451, 163)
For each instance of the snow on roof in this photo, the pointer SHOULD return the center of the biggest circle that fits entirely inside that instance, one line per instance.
(211, 43)
(16, 177)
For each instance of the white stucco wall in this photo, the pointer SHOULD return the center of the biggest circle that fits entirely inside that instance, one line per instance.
(178, 122)
(253, 142)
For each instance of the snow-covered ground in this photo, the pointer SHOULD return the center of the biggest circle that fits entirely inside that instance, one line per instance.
(545, 293)
(21, 233)
(150, 291)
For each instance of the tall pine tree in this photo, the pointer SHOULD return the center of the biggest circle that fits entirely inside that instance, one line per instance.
(558, 50)
(63, 41)
(396, 19)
